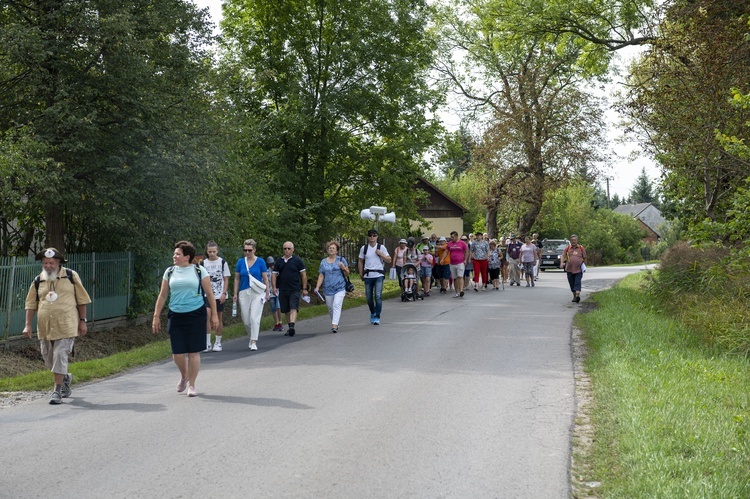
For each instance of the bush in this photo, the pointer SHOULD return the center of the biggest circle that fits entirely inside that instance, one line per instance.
(708, 289)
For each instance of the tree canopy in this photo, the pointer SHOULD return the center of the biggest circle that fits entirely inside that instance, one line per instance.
(335, 102)
(99, 114)
(643, 191)
(543, 128)
(122, 126)
(680, 99)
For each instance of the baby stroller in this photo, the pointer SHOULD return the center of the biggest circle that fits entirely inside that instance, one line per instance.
(410, 279)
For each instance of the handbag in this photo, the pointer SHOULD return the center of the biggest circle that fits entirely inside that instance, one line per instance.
(349, 287)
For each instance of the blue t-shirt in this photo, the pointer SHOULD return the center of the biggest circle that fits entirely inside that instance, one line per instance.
(257, 270)
(333, 276)
(184, 295)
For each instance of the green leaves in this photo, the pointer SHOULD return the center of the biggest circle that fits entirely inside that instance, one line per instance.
(333, 96)
(681, 103)
(542, 128)
(100, 98)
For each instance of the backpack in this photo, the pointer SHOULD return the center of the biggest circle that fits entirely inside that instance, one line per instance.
(222, 265)
(197, 271)
(565, 253)
(364, 250)
(68, 274)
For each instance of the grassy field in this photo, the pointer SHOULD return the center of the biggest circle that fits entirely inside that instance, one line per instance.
(670, 416)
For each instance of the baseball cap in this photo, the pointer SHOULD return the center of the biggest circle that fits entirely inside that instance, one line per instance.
(270, 260)
(372, 232)
(402, 241)
(442, 239)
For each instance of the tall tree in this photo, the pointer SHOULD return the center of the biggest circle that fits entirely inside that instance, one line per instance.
(456, 155)
(340, 87)
(98, 119)
(680, 98)
(642, 191)
(543, 128)
(616, 201)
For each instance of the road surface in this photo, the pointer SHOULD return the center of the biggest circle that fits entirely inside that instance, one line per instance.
(458, 398)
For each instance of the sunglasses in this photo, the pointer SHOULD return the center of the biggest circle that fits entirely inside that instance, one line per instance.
(288, 249)
(248, 250)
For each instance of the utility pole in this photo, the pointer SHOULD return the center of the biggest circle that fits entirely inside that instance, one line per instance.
(608, 179)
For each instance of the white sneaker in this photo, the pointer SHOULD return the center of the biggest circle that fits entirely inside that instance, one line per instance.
(253, 346)
(217, 347)
(208, 348)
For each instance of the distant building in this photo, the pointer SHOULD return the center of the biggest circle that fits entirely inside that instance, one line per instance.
(441, 212)
(649, 217)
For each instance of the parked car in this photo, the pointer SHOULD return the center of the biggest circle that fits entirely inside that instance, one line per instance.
(552, 251)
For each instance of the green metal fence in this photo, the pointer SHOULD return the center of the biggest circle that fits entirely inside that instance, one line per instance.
(107, 277)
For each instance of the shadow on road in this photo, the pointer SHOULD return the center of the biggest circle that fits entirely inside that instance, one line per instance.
(257, 401)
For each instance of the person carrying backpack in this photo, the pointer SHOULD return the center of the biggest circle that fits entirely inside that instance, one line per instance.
(372, 256)
(574, 263)
(59, 299)
(187, 285)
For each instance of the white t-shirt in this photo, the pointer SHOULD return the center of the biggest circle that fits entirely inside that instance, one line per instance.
(372, 261)
(217, 275)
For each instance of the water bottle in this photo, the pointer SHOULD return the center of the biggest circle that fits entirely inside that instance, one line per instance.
(234, 309)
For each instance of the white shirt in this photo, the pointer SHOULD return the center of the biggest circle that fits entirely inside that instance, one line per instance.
(217, 272)
(372, 261)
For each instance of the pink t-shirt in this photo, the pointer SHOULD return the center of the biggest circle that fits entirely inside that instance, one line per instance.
(458, 251)
(426, 260)
(398, 254)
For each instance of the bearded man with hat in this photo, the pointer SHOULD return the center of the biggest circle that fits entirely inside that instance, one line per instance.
(60, 299)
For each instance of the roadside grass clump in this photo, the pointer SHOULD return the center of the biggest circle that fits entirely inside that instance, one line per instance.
(84, 368)
(706, 288)
(671, 414)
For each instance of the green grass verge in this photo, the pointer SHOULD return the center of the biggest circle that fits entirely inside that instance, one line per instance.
(671, 416)
(160, 350)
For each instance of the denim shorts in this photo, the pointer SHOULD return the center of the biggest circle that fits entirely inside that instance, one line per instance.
(442, 272)
(273, 303)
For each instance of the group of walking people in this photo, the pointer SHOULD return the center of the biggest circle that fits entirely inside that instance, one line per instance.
(451, 262)
(197, 295)
(197, 292)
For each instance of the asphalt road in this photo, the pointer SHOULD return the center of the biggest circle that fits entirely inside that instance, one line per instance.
(462, 398)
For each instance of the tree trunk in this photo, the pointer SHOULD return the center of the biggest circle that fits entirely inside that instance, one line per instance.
(536, 197)
(528, 219)
(55, 227)
(492, 221)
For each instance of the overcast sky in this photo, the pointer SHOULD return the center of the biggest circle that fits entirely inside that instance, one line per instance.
(623, 172)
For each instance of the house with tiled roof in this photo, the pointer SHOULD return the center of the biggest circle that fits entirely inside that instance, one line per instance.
(442, 213)
(649, 216)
